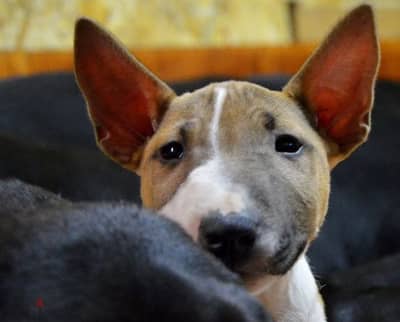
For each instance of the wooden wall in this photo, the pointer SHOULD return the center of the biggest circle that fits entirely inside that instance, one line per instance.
(181, 64)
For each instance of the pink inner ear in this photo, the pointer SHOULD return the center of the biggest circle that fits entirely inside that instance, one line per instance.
(337, 83)
(341, 114)
(120, 105)
(122, 97)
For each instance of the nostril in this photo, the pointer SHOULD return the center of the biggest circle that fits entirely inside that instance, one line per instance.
(214, 241)
(245, 241)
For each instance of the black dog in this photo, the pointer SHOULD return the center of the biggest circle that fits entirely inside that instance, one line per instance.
(63, 261)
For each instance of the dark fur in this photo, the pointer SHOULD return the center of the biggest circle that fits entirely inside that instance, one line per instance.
(369, 292)
(106, 262)
(76, 173)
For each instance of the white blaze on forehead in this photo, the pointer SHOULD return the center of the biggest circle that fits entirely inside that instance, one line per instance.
(220, 95)
(205, 190)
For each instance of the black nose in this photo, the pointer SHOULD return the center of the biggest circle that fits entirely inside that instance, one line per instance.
(231, 237)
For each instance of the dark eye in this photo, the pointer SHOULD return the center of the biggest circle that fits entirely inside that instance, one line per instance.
(172, 151)
(287, 144)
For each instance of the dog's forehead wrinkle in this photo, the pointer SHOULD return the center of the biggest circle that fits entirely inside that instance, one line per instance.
(269, 121)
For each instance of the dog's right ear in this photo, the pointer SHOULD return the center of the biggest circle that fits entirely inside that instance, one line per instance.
(126, 102)
(336, 85)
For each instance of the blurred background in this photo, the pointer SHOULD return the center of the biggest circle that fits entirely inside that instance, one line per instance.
(46, 138)
(182, 39)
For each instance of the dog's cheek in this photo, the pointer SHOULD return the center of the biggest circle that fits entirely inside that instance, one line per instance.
(160, 182)
(319, 192)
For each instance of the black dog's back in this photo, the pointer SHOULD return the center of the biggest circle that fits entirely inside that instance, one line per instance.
(63, 261)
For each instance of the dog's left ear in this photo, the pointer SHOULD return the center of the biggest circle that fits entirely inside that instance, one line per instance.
(337, 83)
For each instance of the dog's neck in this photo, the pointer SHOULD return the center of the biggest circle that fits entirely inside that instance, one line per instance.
(293, 297)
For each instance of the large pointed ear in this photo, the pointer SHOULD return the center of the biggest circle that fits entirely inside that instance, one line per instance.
(336, 84)
(126, 102)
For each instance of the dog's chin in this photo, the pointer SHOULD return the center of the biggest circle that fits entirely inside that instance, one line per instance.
(256, 284)
(259, 271)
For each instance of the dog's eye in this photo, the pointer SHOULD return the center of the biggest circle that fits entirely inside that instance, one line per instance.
(172, 151)
(288, 144)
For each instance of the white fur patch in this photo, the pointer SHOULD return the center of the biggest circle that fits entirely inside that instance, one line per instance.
(220, 95)
(204, 190)
(293, 297)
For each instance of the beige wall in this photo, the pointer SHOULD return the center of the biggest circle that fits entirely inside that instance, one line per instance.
(37, 25)
(316, 17)
(48, 24)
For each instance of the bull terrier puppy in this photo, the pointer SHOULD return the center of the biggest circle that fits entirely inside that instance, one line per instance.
(261, 158)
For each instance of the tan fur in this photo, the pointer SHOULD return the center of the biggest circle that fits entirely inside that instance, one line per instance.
(248, 103)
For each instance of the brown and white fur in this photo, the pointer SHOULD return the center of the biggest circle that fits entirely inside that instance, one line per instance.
(230, 159)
